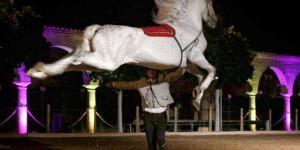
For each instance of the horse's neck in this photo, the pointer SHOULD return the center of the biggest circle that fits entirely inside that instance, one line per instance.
(187, 26)
(186, 29)
(189, 20)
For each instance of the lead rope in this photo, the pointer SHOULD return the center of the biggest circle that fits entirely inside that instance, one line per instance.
(154, 96)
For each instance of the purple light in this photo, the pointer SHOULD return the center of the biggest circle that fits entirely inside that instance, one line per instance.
(280, 75)
(22, 106)
(62, 38)
(287, 100)
(22, 82)
(22, 77)
(286, 70)
(22, 119)
(286, 58)
(287, 113)
(85, 78)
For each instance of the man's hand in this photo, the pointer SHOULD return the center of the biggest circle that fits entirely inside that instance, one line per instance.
(109, 84)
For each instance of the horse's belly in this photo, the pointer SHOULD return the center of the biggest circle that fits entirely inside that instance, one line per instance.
(159, 53)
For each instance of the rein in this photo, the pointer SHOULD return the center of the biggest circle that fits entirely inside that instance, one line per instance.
(193, 44)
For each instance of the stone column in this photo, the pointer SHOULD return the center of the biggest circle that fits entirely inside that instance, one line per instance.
(22, 81)
(252, 110)
(22, 106)
(287, 112)
(120, 112)
(91, 105)
(217, 109)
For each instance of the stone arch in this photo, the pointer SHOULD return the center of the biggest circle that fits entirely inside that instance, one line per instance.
(286, 68)
(270, 97)
(280, 75)
(270, 80)
(282, 79)
(295, 99)
(296, 86)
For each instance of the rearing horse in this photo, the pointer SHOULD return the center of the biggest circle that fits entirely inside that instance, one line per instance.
(107, 47)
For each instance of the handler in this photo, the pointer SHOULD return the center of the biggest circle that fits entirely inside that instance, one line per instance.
(155, 93)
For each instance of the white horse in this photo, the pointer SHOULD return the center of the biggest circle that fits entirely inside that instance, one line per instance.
(105, 48)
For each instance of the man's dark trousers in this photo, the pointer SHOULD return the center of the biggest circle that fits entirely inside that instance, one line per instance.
(155, 126)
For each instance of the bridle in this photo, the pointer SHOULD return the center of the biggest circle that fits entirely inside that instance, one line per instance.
(191, 45)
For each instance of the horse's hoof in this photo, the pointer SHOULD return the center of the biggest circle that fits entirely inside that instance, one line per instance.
(29, 72)
(39, 66)
(36, 74)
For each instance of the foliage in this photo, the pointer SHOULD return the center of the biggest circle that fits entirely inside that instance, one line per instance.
(124, 73)
(230, 53)
(21, 35)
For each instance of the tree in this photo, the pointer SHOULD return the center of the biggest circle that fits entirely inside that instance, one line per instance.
(21, 37)
(124, 73)
(231, 54)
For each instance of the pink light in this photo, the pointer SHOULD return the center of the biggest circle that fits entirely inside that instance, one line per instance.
(287, 113)
(22, 82)
(22, 77)
(22, 95)
(22, 119)
(22, 106)
(287, 100)
(280, 75)
(286, 68)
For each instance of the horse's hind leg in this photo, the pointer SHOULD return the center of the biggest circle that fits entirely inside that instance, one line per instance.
(41, 70)
(201, 61)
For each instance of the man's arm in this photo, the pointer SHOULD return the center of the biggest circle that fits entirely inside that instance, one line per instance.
(172, 76)
(128, 85)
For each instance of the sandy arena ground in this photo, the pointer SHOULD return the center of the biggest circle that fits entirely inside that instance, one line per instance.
(137, 141)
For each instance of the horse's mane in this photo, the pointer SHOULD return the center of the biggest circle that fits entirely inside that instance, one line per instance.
(212, 17)
(166, 10)
(169, 9)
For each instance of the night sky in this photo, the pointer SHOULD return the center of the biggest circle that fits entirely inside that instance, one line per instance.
(268, 25)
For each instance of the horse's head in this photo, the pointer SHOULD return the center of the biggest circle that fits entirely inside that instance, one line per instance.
(206, 10)
(191, 11)
(208, 13)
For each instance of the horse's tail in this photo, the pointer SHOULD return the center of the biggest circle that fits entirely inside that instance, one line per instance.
(88, 35)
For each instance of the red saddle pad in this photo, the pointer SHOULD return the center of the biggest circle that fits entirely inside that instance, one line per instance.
(163, 31)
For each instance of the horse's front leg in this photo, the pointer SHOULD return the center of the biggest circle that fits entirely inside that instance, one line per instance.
(201, 61)
(193, 69)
